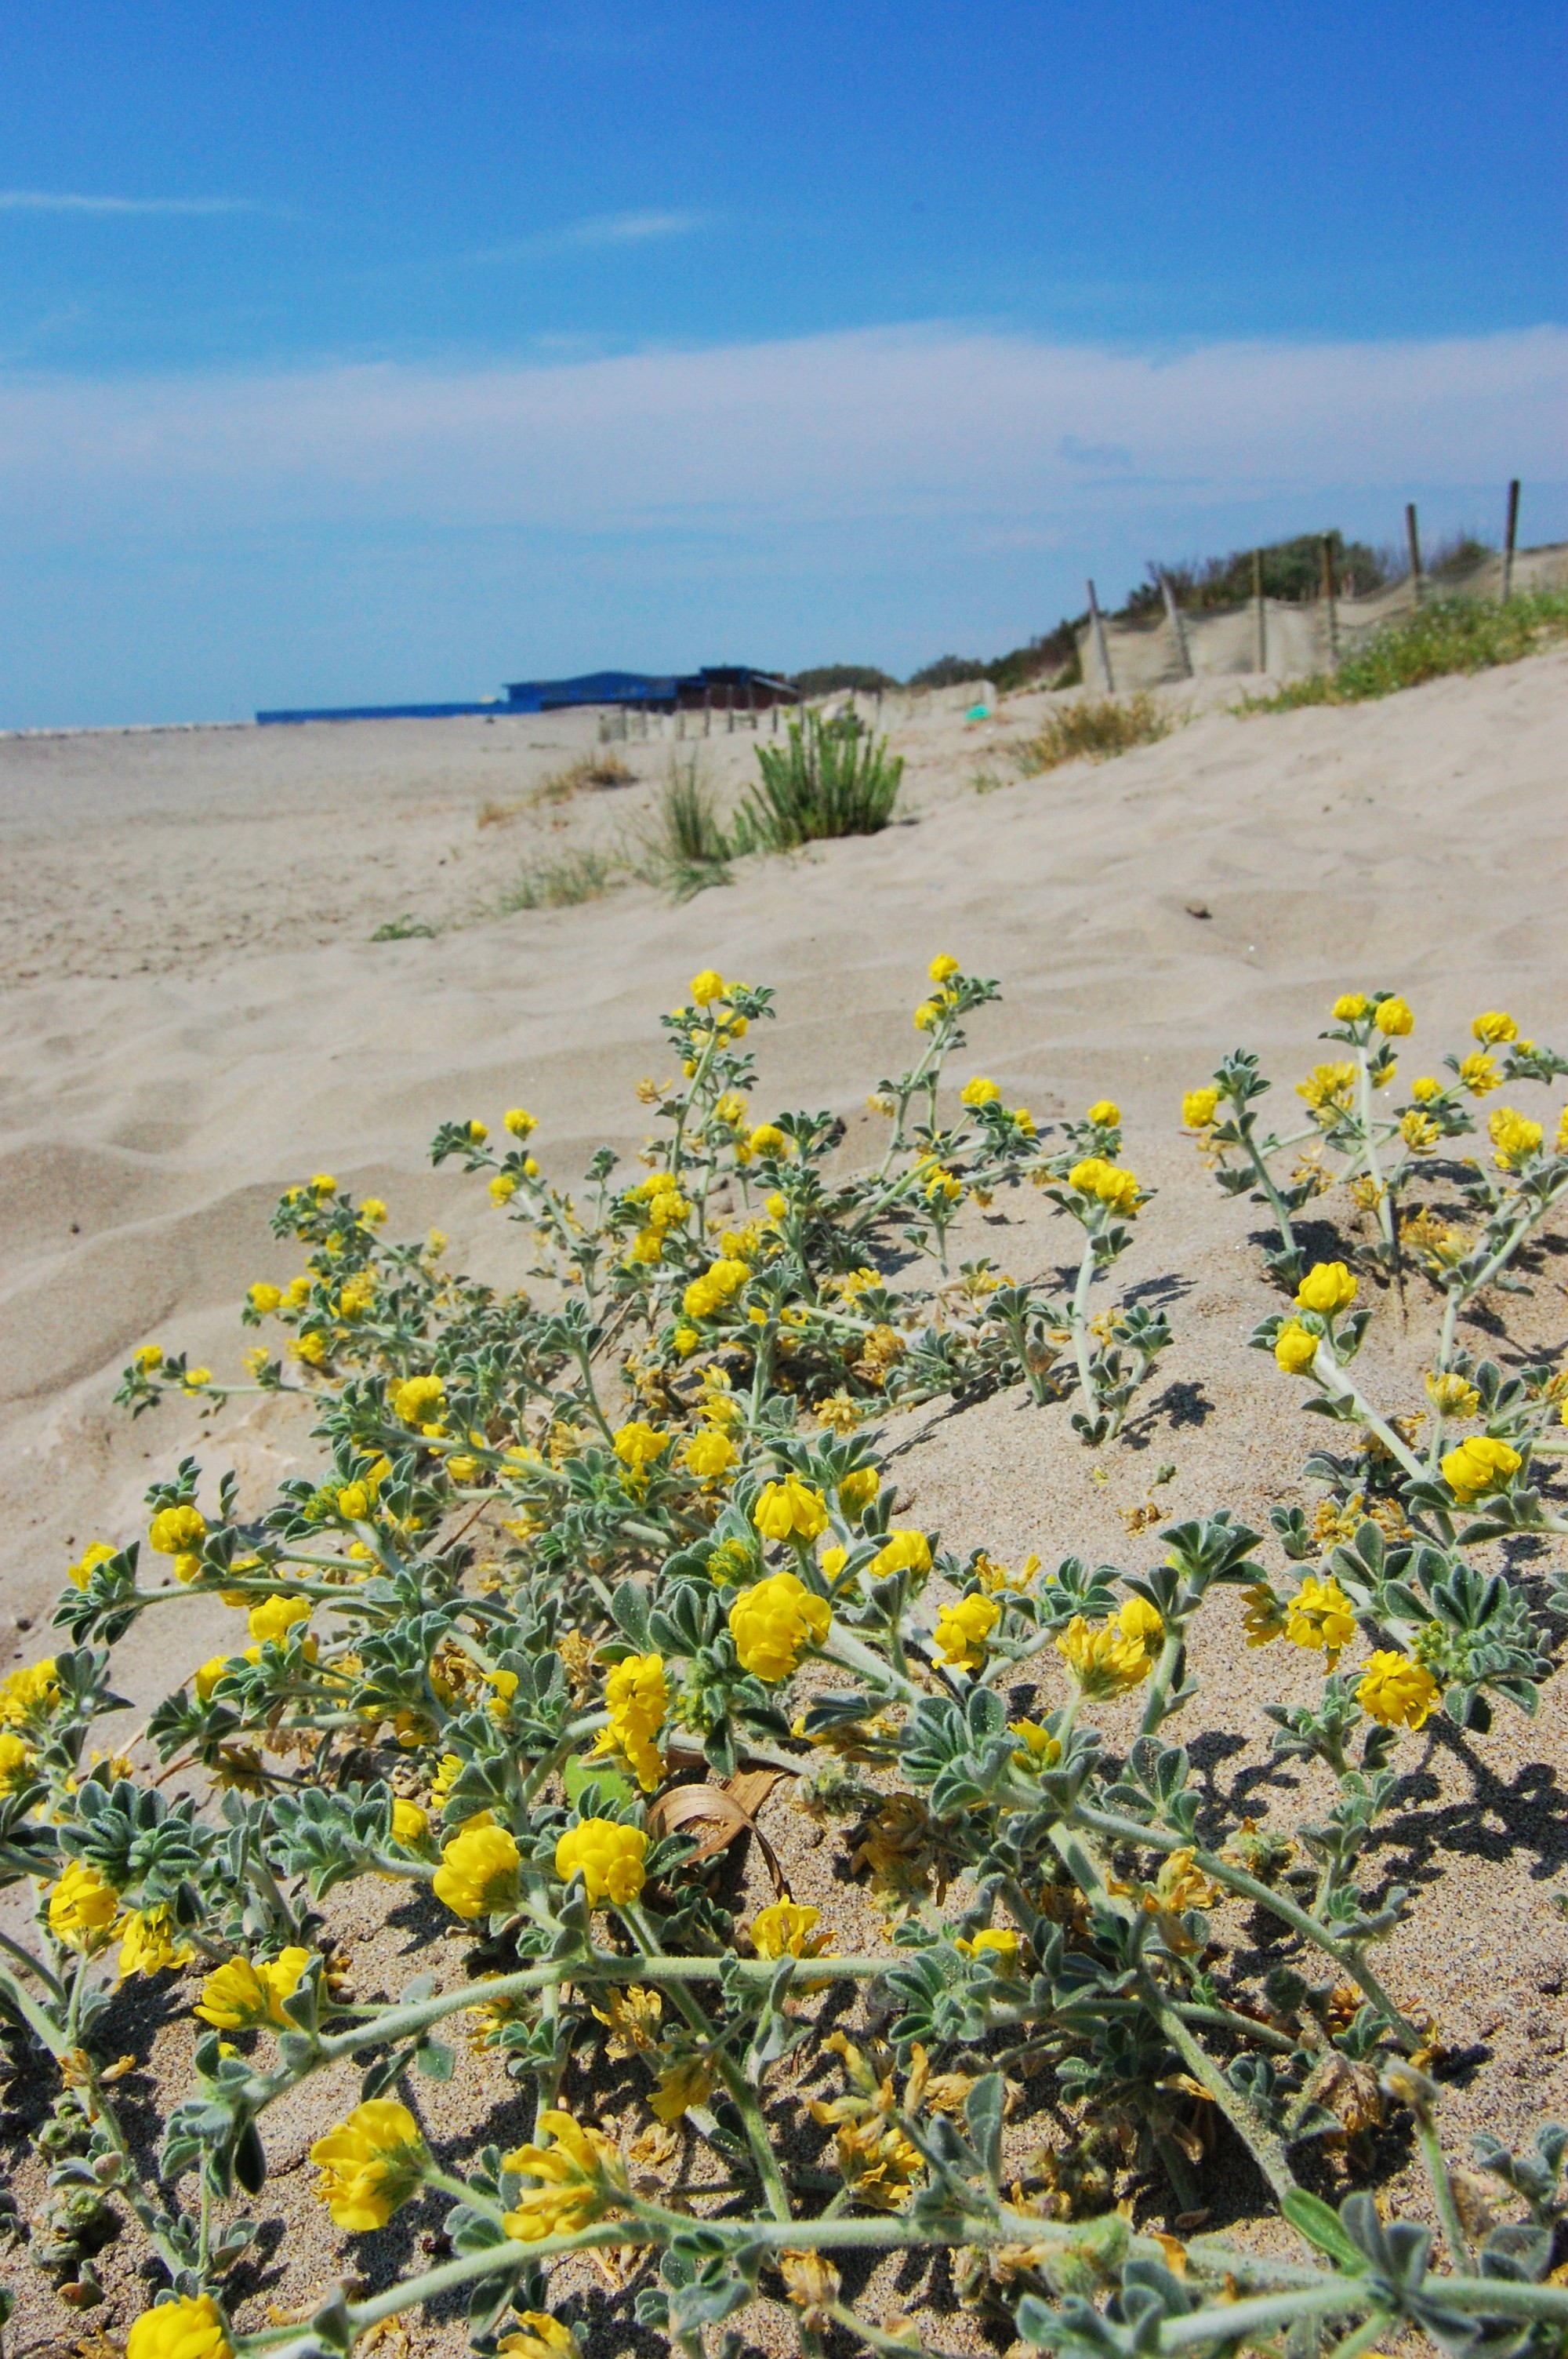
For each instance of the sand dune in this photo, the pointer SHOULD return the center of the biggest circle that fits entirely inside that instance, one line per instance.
(195, 1013)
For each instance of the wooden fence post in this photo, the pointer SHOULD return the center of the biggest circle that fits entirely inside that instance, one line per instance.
(1510, 537)
(1260, 612)
(1413, 538)
(1102, 650)
(1178, 629)
(1329, 601)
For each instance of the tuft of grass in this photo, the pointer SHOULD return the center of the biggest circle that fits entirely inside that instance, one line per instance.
(403, 929)
(829, 778)
(1096, 728)
(561, 884)
(1447, 635)
(597, 770)
(684, 847)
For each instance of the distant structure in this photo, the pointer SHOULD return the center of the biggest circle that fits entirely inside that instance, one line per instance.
(717, 687)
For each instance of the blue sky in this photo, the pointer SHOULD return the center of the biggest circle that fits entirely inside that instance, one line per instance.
(352, 352)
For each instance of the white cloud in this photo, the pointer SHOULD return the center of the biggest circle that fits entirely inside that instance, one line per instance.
(598, 230)
(973, 429)
(48, 200)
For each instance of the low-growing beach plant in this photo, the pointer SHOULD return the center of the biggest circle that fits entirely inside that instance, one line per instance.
(684, 847)
(576, 1574)
(584, 874)
(1446, 635)
(1094, 727)
(830, 777)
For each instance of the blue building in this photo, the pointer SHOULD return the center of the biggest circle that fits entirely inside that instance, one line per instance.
(717, 687)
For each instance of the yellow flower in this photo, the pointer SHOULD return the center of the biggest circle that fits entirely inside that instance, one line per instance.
(1328, 1088)
(1393, 1017)
(996, 1941)
(209, 1673)
(687, 1340)
(1396, 1690)
(767, 1138)
(857, 1490)
(503, 1188)
(1112, 1186)
(323, 1184)
(418, 1400)
(1328, 1288)
(83, 1908)
(1515, 1137)
(941, 967)
(80, 1573)
(147, 1944)
(790, 1510)
(373, 1212)
(1104, 1114)
(264, 1297)
(520, 1121)
(608, 1857)
(980, 1092)
(787, 1929)
(543, 2337)
(188, 2327)
(1424, 1090)
(1495, 1030)
(1199, 1108)
(580, 2174)
(637, 1696)
(902, 1551)
(773, 1620)
(1102, 1658)
(1419, 1131)
(927, 1015)
(276, 1617)
(1479, 1465)
(1296, 1348)
(17, 1759)
(238, 1995)
(681, 2086)
(177, 1531)
(1350, 1007)
(1138, 1619)
(707, 987)
(1479, 1074)
(637, 1445)
(1451, 1395)
(962, 1631)
(1039, 1750)
(148, 1357)
(410, 1824)
(718, 1282)
(29, 1693)
(478, 1874)
(370, 2165)
(1320, 1616)
(1264, 1620)
(708, 1455)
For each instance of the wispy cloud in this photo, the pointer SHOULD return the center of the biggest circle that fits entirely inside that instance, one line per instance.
(598, 230)
(59, 200)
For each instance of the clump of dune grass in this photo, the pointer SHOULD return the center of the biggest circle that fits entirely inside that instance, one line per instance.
(829, 778)
(684, 847)
(582, 875)
(405, 929)
(1094, 728)
(1448, 635)
(597, 770)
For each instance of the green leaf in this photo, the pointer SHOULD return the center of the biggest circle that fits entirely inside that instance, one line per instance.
(1313, 2218)
(581, 1770)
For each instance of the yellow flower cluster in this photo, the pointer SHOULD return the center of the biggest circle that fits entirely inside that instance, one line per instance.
(962, 1631)
(147, 1945)
(1479, 1074)
(1320, 1616)
(636, 1695)
(418, 1401)
(179, 1532)
(29, 1694)
(478, 1874)
(1199, 1108)
(718, 1285)
(787, 1929)
(1328, 1288)
(1328, 1089)
(608, 1856)
(82, 1908)
(1479, 1465)
(370, 2165)
(1495, 1030)
(1109, 1658)
(980, 1092)
(708, 1455)
(1296, 1348)
(637, 1445)
(17, 1760)
(1395, 1690)
(1515, 1137)
(580, 2176)
(901, 1552)
(790, 1510)
(188, 2327)
(1113, 1186)
(238, 1996)
(773, 1620)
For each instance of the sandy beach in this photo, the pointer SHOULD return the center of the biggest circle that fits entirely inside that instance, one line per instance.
(194, 1015)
